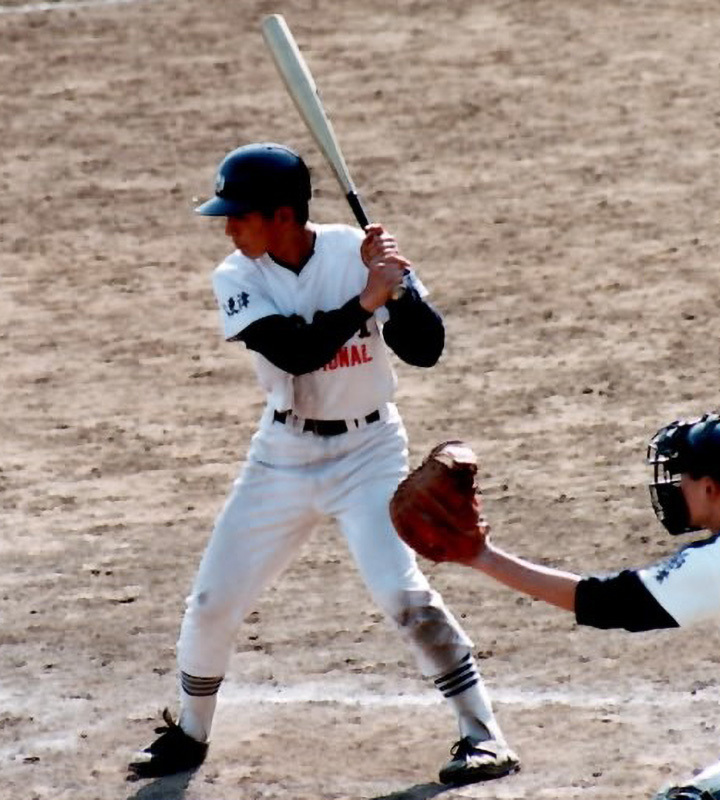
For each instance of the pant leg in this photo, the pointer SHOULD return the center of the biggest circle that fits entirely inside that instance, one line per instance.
(266, 518)
(389, 570)
(358, 495)
(441, 647)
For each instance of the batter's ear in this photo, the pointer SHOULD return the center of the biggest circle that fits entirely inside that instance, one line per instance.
(285, 215)
(712, 489)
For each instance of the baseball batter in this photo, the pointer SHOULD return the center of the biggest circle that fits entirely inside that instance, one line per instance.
(676, 592)
(314, 303)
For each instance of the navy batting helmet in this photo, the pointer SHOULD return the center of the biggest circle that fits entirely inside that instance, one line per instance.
(683, 446)
(258, 177)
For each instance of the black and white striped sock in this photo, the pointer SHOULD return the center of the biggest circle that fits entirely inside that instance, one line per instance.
(462, 677)
(199, 687)
(463, 688)
(198, 698)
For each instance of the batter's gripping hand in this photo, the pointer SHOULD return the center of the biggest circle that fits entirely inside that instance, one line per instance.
(437, 509)
(377, 245)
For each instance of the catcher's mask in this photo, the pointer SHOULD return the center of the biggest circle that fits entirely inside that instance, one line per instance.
(683, 446)
(258, 177)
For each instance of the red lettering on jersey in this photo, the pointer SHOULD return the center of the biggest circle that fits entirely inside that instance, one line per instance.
(349, 357)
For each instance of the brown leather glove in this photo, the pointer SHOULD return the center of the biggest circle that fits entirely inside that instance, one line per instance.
(437, 508)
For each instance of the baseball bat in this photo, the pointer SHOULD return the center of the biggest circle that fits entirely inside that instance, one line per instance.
(302, 89)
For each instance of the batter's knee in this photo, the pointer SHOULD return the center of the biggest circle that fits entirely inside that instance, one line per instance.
(206, 635)
(420, 613)
(208, 607)
(428, 626)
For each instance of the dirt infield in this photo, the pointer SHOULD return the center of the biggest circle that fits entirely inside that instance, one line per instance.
(552, 168)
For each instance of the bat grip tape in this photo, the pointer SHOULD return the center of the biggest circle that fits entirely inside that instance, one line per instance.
(358, 209)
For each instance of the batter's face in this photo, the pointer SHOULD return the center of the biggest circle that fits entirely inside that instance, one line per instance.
(251, 233)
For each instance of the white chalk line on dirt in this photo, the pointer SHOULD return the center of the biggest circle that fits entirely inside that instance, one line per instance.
(354, 694)
(67, 717)
(370, 694)
(32, 8)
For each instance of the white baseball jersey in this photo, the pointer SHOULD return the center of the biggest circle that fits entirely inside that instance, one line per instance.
(687, 584)
(360, 378)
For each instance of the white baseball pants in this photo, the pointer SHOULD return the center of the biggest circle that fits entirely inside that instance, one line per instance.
(271, 512)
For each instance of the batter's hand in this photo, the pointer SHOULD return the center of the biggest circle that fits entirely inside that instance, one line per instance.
(386, 267)
(384, 281)
(377, 245)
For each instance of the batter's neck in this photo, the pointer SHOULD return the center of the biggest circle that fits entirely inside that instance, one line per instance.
(295, 251)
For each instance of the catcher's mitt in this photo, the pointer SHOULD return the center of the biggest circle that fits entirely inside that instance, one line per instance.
(437, 508)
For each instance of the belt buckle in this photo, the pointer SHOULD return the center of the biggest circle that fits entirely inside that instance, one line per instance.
(329, 427)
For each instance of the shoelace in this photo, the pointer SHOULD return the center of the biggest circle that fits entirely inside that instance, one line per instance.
(169, 735)
(169, 723)
(464, 747)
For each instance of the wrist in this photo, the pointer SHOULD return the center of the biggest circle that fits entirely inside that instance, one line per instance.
(482, 560)
(369, 303)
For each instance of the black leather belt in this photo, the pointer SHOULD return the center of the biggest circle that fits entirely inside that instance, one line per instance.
(327, 427)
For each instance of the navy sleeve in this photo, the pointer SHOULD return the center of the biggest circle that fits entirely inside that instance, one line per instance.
(619, 601)
(297, 347)
(415, 330)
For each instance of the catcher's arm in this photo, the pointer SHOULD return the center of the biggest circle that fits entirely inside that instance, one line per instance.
(551, 585)
(621, 600)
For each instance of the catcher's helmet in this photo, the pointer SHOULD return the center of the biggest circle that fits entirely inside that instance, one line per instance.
(258, 177)
(683, 446)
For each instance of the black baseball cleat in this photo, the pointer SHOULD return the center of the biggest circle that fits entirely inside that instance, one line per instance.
(687, 793)
(473, 762)
(172, 752)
